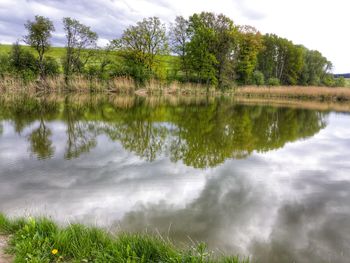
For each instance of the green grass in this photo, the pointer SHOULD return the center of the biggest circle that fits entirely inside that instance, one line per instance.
(347, 81)
(57, 53)
(34, 240)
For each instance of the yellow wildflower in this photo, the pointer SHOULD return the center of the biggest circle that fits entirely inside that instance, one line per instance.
(54, 251)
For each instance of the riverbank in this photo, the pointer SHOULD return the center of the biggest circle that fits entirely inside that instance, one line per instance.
(41, 240)
(295, 92)
(125, 85)
(318, 105)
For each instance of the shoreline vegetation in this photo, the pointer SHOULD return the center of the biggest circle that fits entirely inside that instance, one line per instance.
(127, 86)
(41, 240)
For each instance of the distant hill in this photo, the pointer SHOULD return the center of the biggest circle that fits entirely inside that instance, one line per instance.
(346, 75)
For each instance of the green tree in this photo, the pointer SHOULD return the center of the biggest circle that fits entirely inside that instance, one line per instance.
(328, 80)
(38, 37)
(210, 50)
(80, 46)
(141, 45)
(315, 68)
(250, 43)
(22, 63)
(280, 59)
(179, 37)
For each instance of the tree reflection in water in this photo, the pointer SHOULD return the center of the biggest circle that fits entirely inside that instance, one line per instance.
(200, 133)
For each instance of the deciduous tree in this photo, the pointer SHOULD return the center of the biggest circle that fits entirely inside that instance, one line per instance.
(142, 43)
(39, 34)
(80, 46)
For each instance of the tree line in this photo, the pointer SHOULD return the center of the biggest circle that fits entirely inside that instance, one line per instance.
(204, 48)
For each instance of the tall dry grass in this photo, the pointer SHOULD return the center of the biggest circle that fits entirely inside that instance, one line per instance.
(121, 85)
(9, 84)
(295, 103)
(156, 87)
(298, 92)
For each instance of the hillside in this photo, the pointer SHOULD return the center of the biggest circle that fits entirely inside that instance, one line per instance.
(58, 52)
(346, 75)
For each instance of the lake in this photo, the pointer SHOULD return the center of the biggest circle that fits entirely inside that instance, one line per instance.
(272, 183)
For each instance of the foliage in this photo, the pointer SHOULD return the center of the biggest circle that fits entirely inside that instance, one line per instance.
(292, 64)
(140, 45)
(328, 80)
(273, 82)
(41, 240)
(340, 82)
(22, 63)
(258, 78)
(250, 43)
(39, 34)
(209, 51)
(79, 38)
(314, 69)
(179, 37)
(51, 67)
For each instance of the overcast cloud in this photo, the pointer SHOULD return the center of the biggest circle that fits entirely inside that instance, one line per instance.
(317, 24)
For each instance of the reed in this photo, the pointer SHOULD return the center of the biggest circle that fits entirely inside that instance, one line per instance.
(122, 85)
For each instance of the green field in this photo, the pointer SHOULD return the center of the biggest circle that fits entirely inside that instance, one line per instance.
(55, 52)
(168, 61)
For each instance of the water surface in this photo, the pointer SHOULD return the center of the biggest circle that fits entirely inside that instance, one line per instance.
(268, 182)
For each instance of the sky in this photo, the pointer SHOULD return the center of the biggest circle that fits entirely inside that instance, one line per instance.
(317, 24)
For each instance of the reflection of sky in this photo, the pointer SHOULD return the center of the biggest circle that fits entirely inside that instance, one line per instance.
(291, 204)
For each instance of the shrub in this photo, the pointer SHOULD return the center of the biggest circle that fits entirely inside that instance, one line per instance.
(273, 82)
(259, 78)
(328, 80)
(22, 63)
(51, 67)
(340, 82)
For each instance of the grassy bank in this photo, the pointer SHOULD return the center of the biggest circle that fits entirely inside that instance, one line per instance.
(41, 240)
(295, 92)
(126, 85)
